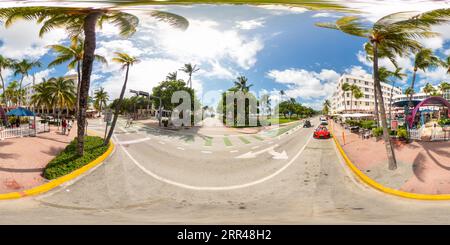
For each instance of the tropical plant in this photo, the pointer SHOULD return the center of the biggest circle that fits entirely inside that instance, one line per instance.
(444, 86)
(101, 97)
(428, 89)
(345, 88)
(172, 76)
(395, 34)
(385, 76)
(41, 96)
(126, 61)
(355, 92)
(408, 91)
(73, 54)
(23, 69)
(79, 21)
(424, 59)
(326, 107)
(5, 63)
(241, 84)
(189, 69)
(13, 93)
(62, 93)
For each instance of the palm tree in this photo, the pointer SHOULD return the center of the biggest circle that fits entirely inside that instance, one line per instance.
(326, 107)
(444, 86)
(354, 89)
(126, 61)
(74, 55)
(172, 76)
(358, 94)
(424, 59)
(23, 69)
(13, 93)
(101, 97)
(189, 69)
(345, 88)
(446, 64)
(241, 84)
(79, 21)
(408, 91)
(62, 93)
(429, 89)
(384, 75)
(5, 63)
(396, 34)
(41, 96)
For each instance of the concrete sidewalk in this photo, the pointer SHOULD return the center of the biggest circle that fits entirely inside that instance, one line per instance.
(423, 167)
(22, 160)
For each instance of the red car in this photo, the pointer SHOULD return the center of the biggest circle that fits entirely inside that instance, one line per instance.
(322, 132)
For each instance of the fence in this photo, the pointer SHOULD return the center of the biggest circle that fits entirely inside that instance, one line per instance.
(440, 135)
(22, 131)
(415, 134)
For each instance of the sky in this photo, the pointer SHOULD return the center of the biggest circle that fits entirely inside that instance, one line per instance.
(275, 47)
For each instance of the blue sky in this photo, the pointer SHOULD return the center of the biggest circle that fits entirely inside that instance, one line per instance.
(276, 47)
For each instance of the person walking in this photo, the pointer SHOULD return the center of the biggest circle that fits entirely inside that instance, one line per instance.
(64, 126)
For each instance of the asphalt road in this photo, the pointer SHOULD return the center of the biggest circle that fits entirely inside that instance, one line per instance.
(156, 177)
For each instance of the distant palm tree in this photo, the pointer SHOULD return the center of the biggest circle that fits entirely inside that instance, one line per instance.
(5, 63)
(74, 55)
(424, 59)
(189, 69)
(345, 88)
(354, 89)
(408, 91)
(241, 84)
(429, 89)
(326, 107)
(23, 69)
(101, 97)
(397, 34)
(172, 76)
(62, 93)
(41, 96)
(126, 61)
(446, 64)
(384, 75)
(13, 93)
(444, 86)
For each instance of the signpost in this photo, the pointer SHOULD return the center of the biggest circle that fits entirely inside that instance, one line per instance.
(107, 119)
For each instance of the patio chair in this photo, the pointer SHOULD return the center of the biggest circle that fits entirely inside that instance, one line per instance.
(367, 134)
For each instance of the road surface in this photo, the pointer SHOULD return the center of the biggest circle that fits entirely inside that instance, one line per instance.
(160, 177)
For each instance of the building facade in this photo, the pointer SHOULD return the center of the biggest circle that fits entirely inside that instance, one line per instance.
(345, 103)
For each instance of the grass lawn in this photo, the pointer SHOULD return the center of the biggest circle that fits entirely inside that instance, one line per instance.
(67, 161)
(275, 121)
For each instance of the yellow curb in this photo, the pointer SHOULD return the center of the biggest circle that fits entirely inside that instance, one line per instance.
(59, 181)
(383, 188)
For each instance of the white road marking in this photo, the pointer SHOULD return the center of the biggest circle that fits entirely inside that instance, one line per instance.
(255, 147)
(162, 143)
(206, 152)
(234, 151)
(133, 141)
(180, 148)
(251, 154)
(215, 188)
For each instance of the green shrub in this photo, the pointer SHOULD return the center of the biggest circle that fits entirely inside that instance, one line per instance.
(353, 122)
(67, 161)
(444, 121)
(402, 133)
(377, 131)
(367, 124)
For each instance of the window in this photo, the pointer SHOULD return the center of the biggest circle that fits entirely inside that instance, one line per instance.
(367, 96)
(366, 89)
(366, 83)
(367, 103)
(348, 102)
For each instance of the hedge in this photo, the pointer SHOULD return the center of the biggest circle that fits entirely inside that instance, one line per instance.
(67, 161)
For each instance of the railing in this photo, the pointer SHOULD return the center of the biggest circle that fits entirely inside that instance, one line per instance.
(415, 134)
(440, 135)
(22, 131)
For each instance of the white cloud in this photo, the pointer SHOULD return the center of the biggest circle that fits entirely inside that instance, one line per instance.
(434, 76)
(38, 76)
(326, 15)
(282, 9)
(306, 84)
(250, 24)
(21, 40)
(358, 71)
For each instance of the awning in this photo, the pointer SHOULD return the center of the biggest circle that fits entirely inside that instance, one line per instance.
(20, 112)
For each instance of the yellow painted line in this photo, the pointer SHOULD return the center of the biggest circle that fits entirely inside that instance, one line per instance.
(372, 183)
(59, 181)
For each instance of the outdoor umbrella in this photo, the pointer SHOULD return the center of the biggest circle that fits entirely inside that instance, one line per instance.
(20, 112)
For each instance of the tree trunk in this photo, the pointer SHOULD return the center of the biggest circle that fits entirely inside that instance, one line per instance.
(3, 88)
(20, 91)
(375, 96)
(345, 103)
(410, 104)
(387, 141)
(390, 101)
(88, 59)
(351, 103)
(78, 87)
(117, 109)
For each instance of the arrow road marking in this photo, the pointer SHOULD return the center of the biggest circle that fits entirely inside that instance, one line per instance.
(270, 150)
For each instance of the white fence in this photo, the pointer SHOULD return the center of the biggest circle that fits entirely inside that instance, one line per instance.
(415, 134)
(22, 131)
(441, 135)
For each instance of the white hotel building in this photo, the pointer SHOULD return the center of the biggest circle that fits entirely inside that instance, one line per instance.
(366, 104)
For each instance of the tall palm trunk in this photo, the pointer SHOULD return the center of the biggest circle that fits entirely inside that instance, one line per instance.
(351, 102)
(387, 141)
(20, 90)
(78, 87)
(88, 59)
(390, 100)
(345, 103)
(117, 109)
(3, 88)
(375, 96)
(410, 104)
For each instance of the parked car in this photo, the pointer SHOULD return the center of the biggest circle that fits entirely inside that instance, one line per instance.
(322, 132)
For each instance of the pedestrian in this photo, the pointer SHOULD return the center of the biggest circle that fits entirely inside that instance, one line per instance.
(69, 126)
(64, 126)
